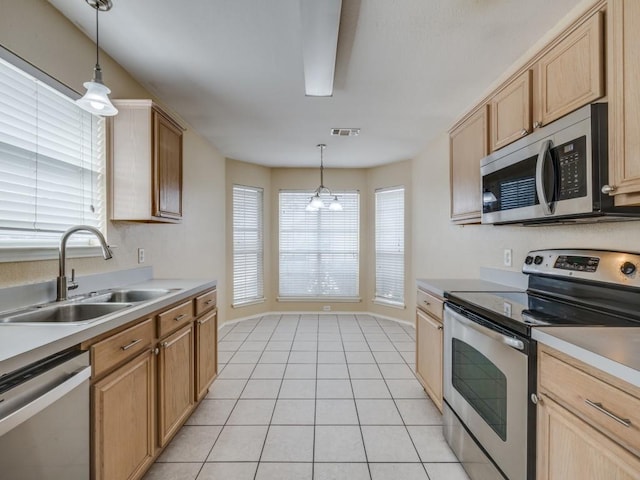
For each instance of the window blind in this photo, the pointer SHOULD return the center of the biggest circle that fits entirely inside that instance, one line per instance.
(51, 163)
(390, 245)
(319, 251)
(248, 249)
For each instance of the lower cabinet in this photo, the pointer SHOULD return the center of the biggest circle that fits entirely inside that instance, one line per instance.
(429, 356)
(206, 352)
(175, 382)
(570, 448)
(123, 405)
(147, 380)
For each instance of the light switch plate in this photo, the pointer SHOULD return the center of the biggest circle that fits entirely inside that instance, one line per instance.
(141, 255)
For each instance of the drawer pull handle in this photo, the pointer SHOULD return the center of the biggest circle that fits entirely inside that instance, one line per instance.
(133, 342)
(598, 406)
(203, 321)
(426, 303)
(209, 302)
(180, 317)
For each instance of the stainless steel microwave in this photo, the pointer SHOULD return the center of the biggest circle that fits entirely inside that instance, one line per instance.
(556, 174)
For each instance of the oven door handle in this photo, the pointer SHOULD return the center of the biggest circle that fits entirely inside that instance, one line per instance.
(543, 154)
(504, 339)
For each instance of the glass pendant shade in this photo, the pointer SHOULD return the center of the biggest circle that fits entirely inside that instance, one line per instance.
(335, 204)
(96, 100)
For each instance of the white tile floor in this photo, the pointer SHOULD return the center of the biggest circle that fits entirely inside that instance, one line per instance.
(308, 397)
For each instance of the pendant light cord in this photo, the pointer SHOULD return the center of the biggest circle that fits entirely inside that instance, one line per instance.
(97, 39)
(321, 167)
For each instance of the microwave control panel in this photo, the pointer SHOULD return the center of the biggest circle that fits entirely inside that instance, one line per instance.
(572, 163)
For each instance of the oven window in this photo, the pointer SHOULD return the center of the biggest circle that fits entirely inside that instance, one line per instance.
(481, 384)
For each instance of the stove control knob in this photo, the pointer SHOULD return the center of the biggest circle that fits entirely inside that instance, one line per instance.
(538, 260)
(628, 268)
(528, 260)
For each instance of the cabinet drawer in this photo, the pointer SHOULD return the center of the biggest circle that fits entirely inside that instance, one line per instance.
(174, 318)
(604, 406)
(430, 304)
(206, 301)
(126, 344)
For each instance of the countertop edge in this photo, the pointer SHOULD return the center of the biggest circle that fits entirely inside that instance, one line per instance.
(60, 337)
(438, 286)
(623, 372)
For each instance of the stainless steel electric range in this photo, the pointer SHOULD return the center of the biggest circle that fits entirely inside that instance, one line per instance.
(490, 357)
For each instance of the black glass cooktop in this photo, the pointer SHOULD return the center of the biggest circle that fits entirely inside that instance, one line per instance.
(520, 311)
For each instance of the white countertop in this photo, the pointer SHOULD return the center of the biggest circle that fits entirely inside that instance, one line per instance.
(439, 286)
(22, 344)
(614, 350)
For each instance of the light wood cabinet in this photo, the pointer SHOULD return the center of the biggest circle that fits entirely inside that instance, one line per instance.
(571, 73)
(123, 406)
(587, 421)
(146, 163)
(175, 382)
(569, 448)
(623, 30)
(468, 144)
(206, 352)
(511, 112)
(429, 345)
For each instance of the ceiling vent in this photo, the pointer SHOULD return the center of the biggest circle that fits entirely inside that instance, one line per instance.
(345, 132)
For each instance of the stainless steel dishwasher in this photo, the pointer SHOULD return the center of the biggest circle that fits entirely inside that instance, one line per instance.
(44, 419)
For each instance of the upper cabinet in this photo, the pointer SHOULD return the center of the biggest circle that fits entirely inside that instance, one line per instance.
(146, 163)
(624, 100)
(468, 144)
(511, 112)
(571, 73)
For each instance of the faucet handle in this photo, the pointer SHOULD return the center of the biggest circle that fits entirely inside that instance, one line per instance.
(72, 285)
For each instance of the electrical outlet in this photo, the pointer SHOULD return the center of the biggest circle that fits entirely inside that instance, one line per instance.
(507, 257)
(326, 308)
(141, 255)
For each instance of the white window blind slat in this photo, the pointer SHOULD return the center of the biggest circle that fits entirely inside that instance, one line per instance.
(51, 163)
(248, 249)
(319, 251)
(389, 236)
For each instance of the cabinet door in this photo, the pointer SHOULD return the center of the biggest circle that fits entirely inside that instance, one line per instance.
(175, 382)
(572, 72)
(468, 145)
(123, 406)
(570, 448)
(167, 167)
(429, 356)
(624, 100)
(206, 352)
(511, 112)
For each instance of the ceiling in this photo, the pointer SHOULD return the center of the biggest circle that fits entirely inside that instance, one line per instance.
(405, 69)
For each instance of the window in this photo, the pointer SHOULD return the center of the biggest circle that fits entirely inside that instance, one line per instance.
(51, 164)
(248, 271)
(390, 246)
(319, 251)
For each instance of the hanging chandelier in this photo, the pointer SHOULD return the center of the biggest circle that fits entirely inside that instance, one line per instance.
(96, 100)
(316, 202)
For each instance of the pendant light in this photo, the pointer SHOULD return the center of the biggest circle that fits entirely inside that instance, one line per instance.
(96, 100)
(315, 202)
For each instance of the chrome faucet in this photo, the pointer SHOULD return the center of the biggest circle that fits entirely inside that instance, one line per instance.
(63, 283)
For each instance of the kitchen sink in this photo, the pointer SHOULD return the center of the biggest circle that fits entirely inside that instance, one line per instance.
(68, 313)
(130, 295)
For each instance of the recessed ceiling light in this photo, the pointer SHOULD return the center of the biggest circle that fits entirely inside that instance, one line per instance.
(345, 132)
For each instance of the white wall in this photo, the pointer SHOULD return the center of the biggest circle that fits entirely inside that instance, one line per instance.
(37, 32)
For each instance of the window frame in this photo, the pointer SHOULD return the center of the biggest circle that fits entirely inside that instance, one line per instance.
(259, 298)
(23, 253)
(306, 194)
(385, 300)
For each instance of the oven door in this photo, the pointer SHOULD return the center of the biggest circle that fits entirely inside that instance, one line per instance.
(486, 385)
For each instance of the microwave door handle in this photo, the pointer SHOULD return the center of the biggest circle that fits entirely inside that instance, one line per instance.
(540, 164)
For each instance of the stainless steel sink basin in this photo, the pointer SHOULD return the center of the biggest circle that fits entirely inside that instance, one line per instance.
(130, 295)
(68, 313)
